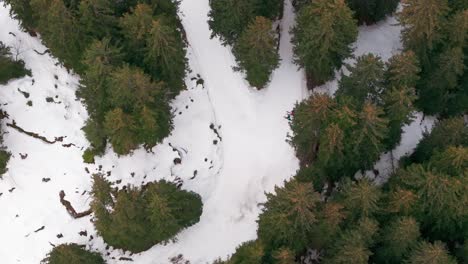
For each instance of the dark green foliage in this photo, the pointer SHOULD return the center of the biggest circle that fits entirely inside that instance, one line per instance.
(111, 44)
(4, 158)
(365, 81)
(322, 38)
(60, 31)
(22, 11)
(446, 132)
(256, 52)
(248, 253)
(10, 68)
(353, 244)
(428, 253)
(88, 156)
(398, 239)
(142, 217)
(229, 18)
(371, 11)
(72, 254)
(290, 216)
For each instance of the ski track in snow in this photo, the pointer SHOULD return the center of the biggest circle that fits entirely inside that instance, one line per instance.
(232, 175)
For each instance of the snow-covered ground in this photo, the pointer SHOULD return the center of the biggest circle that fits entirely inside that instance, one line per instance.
(250, 157)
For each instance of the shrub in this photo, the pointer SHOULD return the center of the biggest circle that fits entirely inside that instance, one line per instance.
(9, 68)
(72, 254)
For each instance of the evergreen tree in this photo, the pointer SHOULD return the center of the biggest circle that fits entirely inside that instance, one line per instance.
(428, 253)
(353, 244)
(10, 68)
(453, 161)
(402, 70)
(367, 139)
(250, 252)
(371, 11)
(165, 55)
(365, 81)
(422, 21)
(442, 202)
(447, 132)
(398, 238)
(229, 18)
(136, 25)
(398, 106)
(309, 117)
(256, 53)
(120, 128)
(322, 37)
(360, 199)
(97, 18)
(137, 218)
(72, 254)
(22, 11)
(289, 216)
(60, 31)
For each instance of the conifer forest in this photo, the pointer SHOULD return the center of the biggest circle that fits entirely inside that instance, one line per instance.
(234, 131)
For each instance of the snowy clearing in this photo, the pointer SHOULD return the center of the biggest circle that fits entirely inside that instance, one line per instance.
(230, 171)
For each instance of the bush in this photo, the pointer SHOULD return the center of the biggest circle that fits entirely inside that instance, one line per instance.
(72, 254)
(88, 156)
(9, 68)
(135, 219)
(4, 158)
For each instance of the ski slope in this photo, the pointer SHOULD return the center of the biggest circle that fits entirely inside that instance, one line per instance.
(230, 171)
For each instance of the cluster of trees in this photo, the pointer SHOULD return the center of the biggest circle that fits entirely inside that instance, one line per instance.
(247, 26)
(419, 216)
(347, 133)
(10, 68)
(436, 31)
(131, 56)
(135, 219)
(72, 254)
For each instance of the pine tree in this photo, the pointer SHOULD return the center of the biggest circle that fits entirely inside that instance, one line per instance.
(443, 201)
(422, 21)
(403, 70)
(399, 108)
(447, 132)
(365, 81)
(97, 18)
(453, 161)
(353, 244)
(72, 254)
(428, 253)
(289, 216)
(229, 18)
(368, 137)
(250, 252)
(136, 25)
(309, 117)
(22, 11)
(371, 11)
(60, 31)
(322, 37)
(398, 238)
(360, 199)
(165, 55)
(137, 218)
(256, 52)
(120, 128)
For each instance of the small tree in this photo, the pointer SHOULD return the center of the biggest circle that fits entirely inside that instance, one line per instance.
(72, 254)
(256, 52)
(250, 252)
(322, 37)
